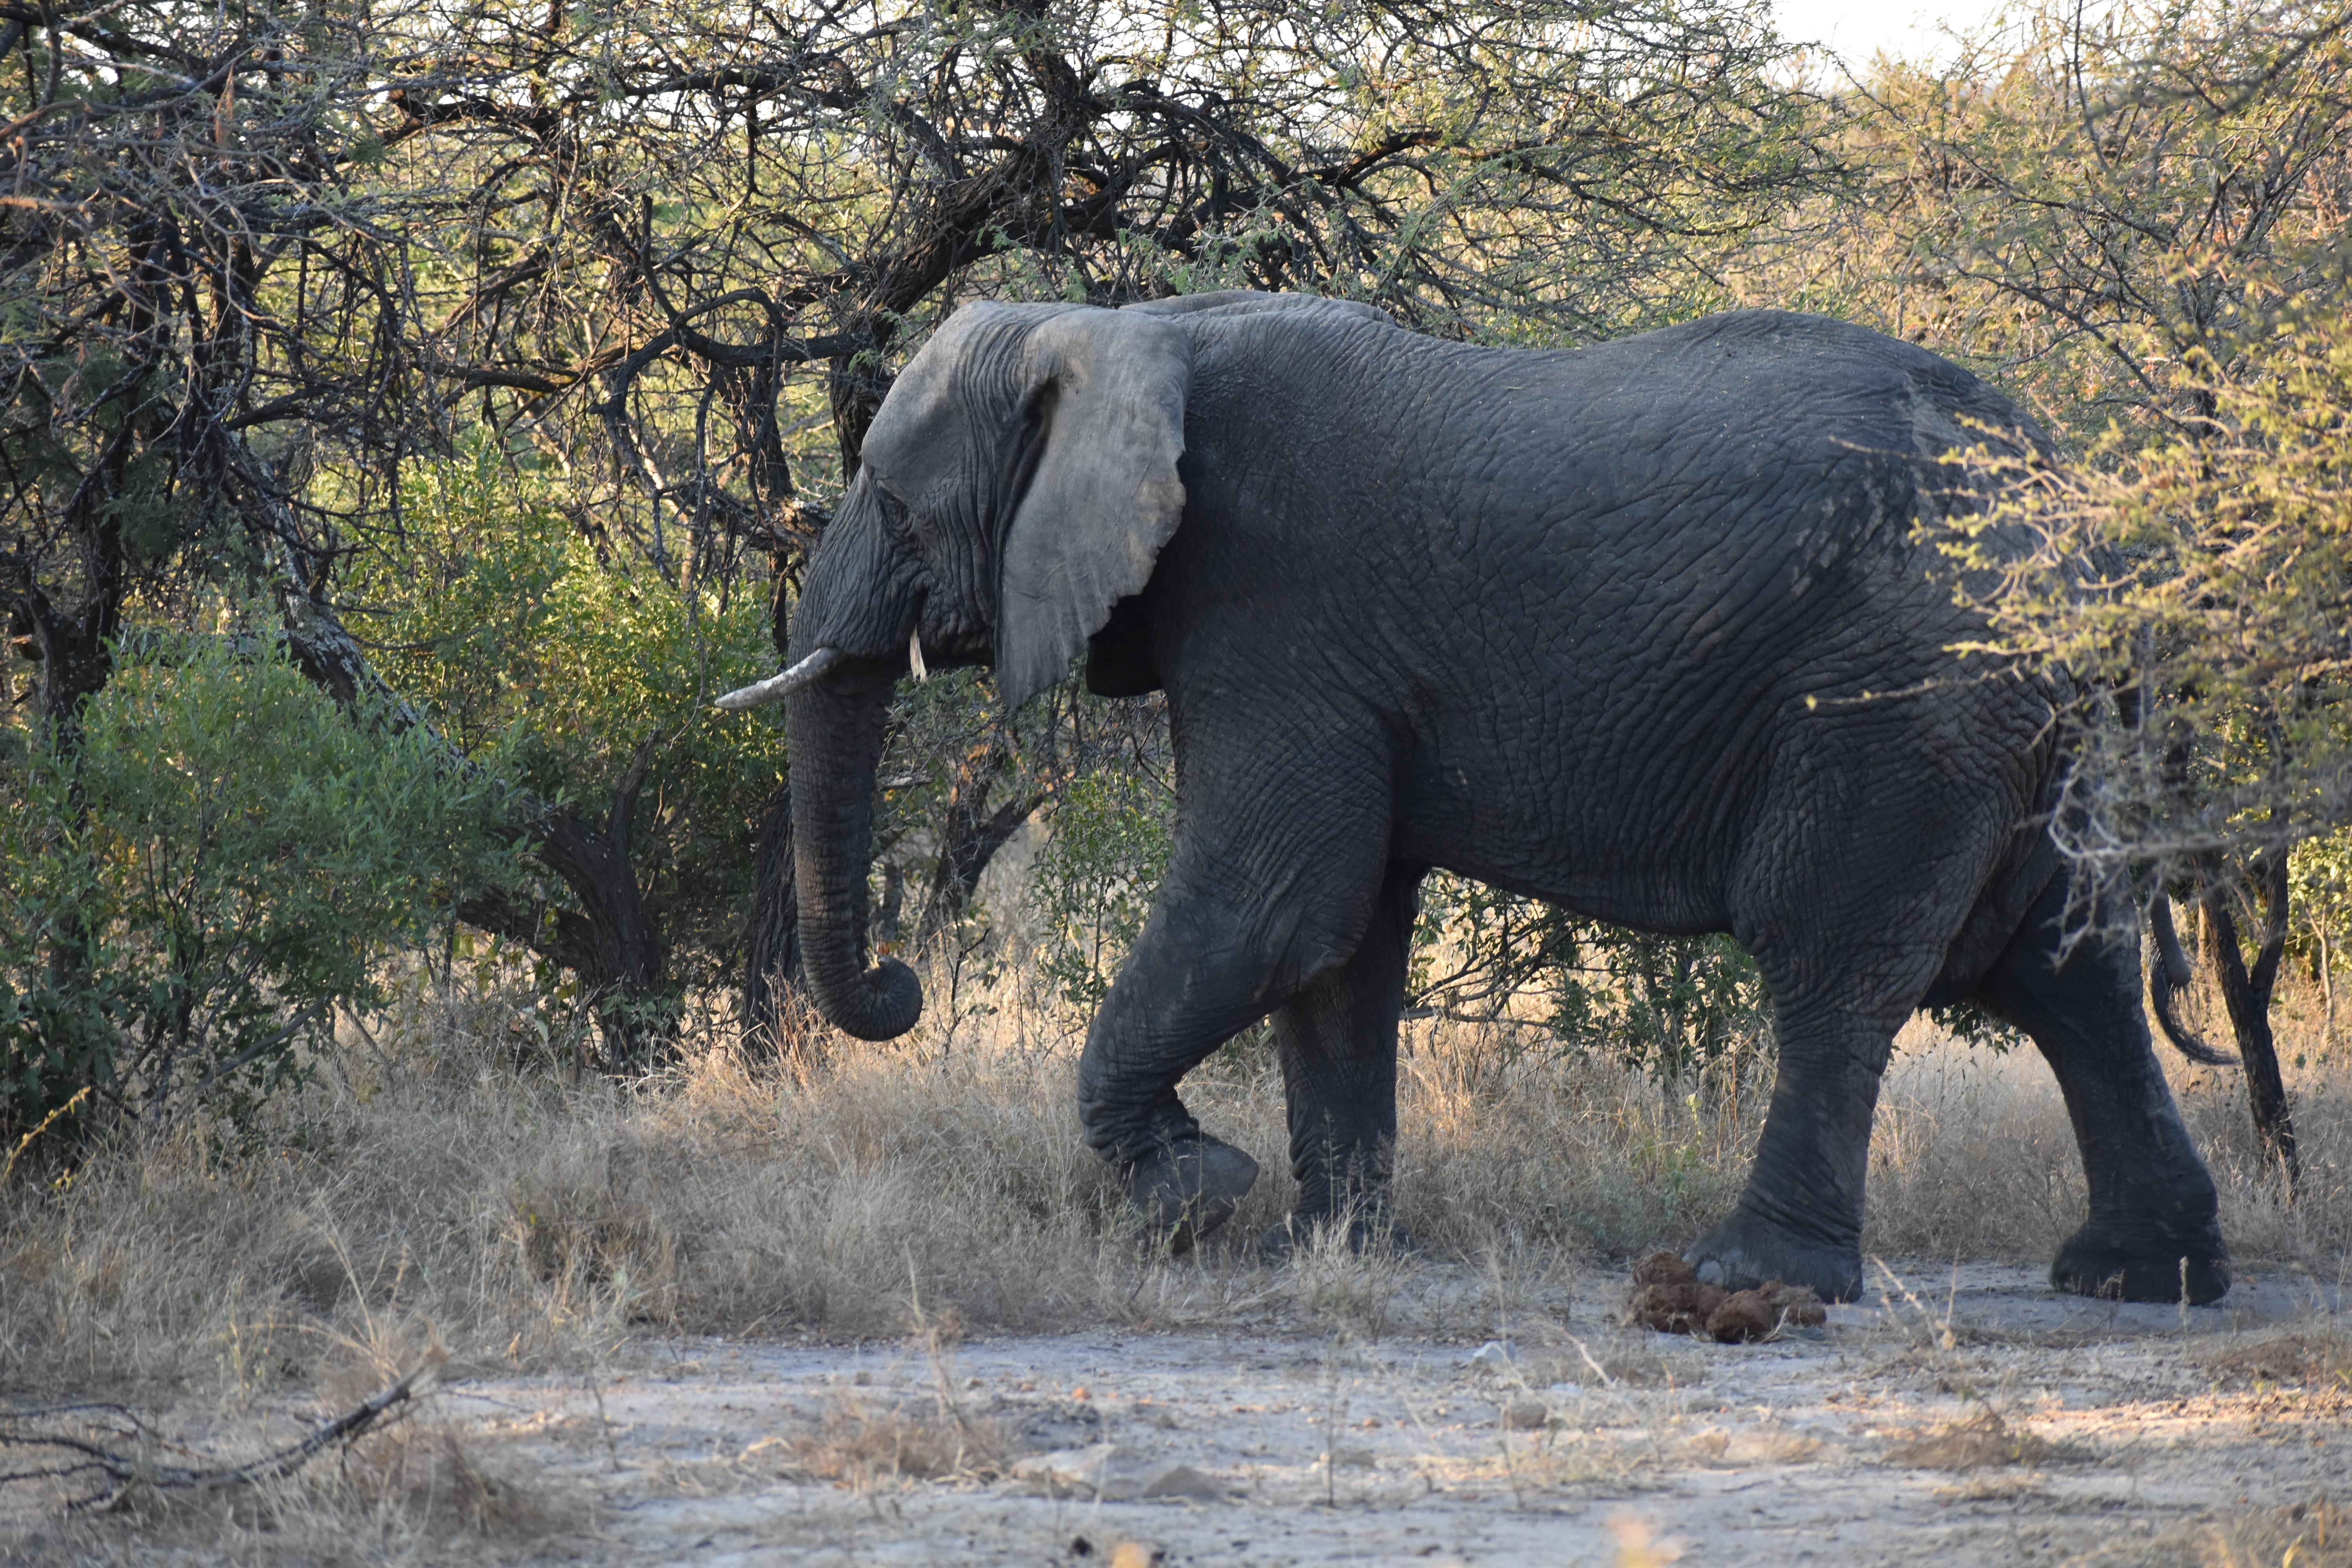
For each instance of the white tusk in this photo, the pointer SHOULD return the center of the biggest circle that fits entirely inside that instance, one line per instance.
(809, 670)
(915, 655)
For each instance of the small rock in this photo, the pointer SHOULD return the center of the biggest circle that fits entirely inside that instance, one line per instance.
(1565, 1390)
(1525, 1415)
(1076, 1471)
(1494, 1353)
(1103, 1470)
(1181, 1481)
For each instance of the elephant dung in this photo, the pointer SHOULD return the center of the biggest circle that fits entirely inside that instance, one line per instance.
(1795, 1306)
(1740, 1316)
(1759, 1314)
(1668, 1295)
(1663, 1268)
(1678, 1309)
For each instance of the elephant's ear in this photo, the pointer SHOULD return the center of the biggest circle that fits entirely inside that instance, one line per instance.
(1109, 389)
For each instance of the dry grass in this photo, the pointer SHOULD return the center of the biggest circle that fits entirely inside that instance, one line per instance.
(2317, 1535)
(537, 1221)
(1983, 1439)
(2313, 1535)
(2320, 1358)
(862, 1445)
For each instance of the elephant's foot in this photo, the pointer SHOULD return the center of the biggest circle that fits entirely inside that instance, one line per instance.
(1746, 1251)
(2112, 1265)
(1376, 1231)
(1185, 1190)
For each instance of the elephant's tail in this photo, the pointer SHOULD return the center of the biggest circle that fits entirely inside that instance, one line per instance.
(2165, 986)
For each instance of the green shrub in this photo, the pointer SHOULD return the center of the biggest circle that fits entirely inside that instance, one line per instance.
(1667, 1005)
(1096, 876)
(526, 634)
(223, 858)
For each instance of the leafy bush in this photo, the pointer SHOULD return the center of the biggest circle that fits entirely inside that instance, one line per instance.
(503, 616)
(1670, 1006)
(1096, 876)
(223, 858)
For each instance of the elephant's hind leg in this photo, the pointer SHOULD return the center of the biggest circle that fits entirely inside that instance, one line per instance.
(2152, 1234)
(1336, 1040)
(1800, 1215)
(1849, 899)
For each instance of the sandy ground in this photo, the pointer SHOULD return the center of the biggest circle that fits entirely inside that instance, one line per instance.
(1965, 1416)
(1873, 1442)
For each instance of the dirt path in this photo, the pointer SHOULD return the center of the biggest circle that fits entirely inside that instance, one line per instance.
(1966, 1419)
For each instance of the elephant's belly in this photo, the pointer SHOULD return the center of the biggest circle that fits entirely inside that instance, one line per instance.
(1643, 862)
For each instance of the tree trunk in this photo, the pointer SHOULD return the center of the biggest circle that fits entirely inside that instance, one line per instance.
(771, 960)
(75, 650)
(2326, 987)
(2247, 995)
(968, 838)
(771, 937)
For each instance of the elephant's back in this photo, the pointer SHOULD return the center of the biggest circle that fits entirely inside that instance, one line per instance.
(1746, 410)
(1694, 562)
(1747, 486)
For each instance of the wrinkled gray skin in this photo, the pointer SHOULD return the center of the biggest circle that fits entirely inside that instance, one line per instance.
(1638, 629)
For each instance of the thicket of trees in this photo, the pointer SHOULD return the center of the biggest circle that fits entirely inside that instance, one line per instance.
(485, 371)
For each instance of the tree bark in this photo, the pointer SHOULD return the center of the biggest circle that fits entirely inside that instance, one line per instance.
(2247, 995)
(611, 940)
(970, 837)
(771, 959)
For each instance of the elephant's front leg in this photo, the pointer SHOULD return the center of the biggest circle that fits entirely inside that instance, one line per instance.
(1336, 1040)
(1259, 905)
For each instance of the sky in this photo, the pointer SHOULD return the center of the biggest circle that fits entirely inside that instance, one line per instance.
(1856, 28)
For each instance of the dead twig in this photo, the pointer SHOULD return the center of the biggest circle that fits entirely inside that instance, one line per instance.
(123, 1470)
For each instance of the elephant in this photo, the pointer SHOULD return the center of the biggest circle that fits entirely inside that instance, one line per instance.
(1645, 629)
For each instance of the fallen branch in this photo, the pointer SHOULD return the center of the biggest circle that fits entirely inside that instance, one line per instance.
(124, 1470)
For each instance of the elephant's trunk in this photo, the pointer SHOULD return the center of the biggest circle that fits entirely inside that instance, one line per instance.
(835, 733)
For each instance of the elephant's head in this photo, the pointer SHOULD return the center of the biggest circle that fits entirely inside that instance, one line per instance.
(1019, 480)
